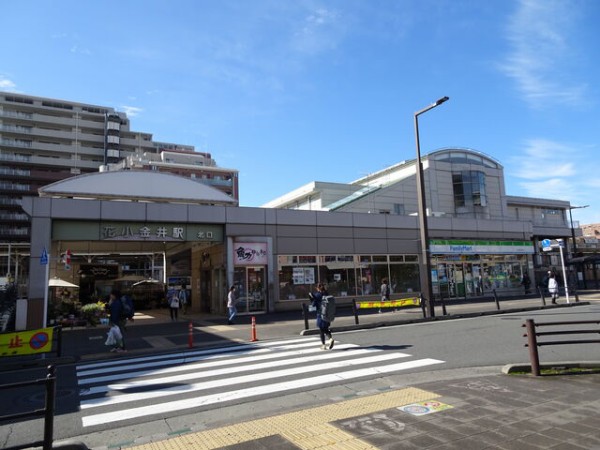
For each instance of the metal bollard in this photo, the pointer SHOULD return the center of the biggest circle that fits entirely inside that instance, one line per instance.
(541, 291)
(305, 315)
(355, 311)
(49, 407)
(496, 299)
(533, 350)
(443, 305)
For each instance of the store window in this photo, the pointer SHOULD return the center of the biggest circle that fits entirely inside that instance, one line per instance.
(469, 190)
(346, 275)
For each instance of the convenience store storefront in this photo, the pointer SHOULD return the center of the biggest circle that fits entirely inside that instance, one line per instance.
(473, 268)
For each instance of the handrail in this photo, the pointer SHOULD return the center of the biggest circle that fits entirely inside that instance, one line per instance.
(47, 411)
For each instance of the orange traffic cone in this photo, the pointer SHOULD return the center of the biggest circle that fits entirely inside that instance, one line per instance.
(253, 336)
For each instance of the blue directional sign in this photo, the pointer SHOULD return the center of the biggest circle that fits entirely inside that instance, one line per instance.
(546, 243)
(44, 257)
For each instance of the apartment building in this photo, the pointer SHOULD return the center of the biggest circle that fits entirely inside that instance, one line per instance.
(186, 162)
(44, 140)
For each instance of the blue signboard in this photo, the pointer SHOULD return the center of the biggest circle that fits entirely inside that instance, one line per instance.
(44, 257)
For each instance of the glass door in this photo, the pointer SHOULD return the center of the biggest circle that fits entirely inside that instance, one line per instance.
(250, 284)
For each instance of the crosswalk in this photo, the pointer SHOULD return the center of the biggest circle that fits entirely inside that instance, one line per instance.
(122, 389)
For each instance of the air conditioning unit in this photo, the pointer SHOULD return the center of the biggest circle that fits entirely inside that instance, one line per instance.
(438, 213)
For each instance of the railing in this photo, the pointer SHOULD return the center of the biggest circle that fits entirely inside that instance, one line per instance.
(533, 343)
(47, 411)
(572, 293)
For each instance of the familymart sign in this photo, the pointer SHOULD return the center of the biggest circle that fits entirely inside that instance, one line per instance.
(467, 247)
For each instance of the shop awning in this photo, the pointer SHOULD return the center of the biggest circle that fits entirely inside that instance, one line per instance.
(57, 282)
(584, 259)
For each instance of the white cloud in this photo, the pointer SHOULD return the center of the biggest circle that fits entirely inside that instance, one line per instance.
(320, 31)
(131, 111)
(81, 51)
(553, 188)
(543, 158)
(6, 84)
(541, 56)
(558, 171)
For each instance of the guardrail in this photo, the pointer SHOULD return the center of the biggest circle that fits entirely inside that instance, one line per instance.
(47, 411)
(572, 292)
(533, 343)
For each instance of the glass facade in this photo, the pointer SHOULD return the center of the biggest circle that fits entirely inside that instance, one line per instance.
(469, 189)
(346, 275)
(454, 276)
(464, 276)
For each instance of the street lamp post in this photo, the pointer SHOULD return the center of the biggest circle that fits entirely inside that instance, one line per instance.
(573, 228)
(424, 261)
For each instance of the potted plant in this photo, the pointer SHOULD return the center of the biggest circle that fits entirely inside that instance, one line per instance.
(93, 312)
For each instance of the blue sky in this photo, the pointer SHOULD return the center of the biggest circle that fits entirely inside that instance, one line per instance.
(291, 91)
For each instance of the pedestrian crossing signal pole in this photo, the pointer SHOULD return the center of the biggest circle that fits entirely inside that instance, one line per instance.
(190, 335)
(253, 336)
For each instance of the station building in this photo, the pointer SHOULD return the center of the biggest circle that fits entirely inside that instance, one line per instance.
(348, 236)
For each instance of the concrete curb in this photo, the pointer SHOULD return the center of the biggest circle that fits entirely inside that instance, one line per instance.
(509, 369)
(313, 331)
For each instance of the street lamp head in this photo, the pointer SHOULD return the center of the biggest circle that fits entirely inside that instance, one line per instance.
(578, 207)
(442, 100)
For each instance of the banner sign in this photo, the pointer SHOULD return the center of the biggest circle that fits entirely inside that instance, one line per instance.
(481, 247)
(26, 342)
(250, 253)
(135, 231)
(389, 304)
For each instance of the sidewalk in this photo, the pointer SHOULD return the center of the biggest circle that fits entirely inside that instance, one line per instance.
(480, 411)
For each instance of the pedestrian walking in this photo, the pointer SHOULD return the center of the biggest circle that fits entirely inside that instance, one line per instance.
(526, 282)
(325, 309)
(385, 291)
(553, 288)
(173, 300)
(118, 318)
(231, 308)
(183, 299)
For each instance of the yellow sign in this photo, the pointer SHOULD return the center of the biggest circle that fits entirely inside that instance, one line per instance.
(414, 301)
(26, 342)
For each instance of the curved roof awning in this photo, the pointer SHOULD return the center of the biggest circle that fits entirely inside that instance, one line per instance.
(137, 185)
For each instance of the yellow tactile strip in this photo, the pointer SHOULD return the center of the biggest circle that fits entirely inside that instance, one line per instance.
(306, 429)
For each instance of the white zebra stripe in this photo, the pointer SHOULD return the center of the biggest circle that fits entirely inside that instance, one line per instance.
(195, 402)
(182, 358)
(237, 380)
(188, 368)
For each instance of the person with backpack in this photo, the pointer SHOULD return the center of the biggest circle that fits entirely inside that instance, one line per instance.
(325, 308)
(183, 300)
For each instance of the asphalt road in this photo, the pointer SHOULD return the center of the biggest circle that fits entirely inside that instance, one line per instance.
(422, 351)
